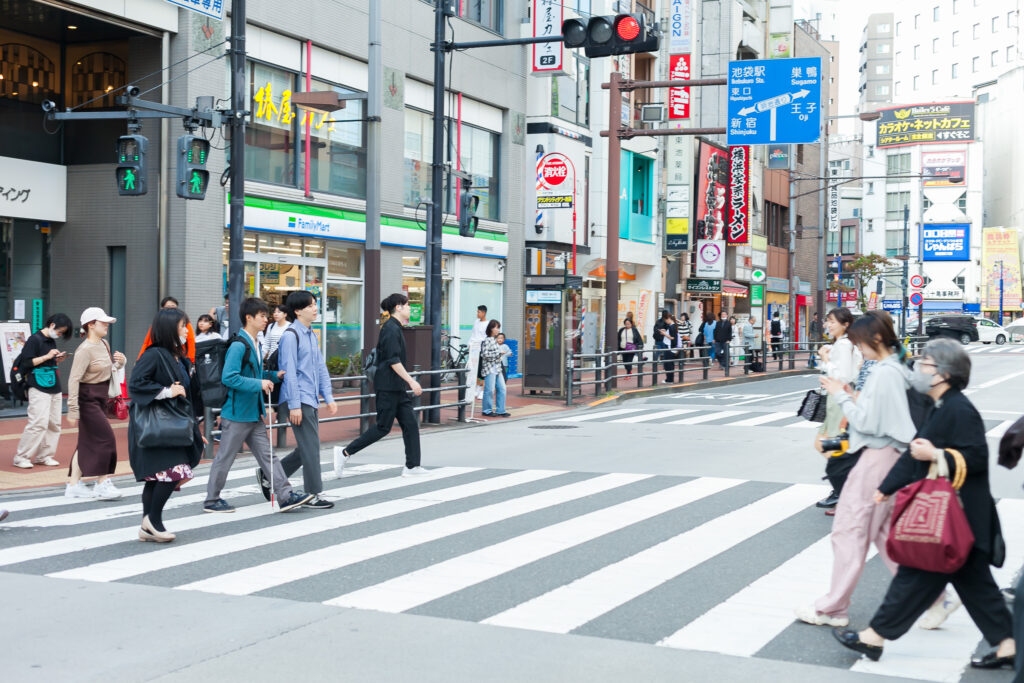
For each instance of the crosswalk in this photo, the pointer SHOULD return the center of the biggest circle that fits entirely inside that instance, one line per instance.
(707, 563)
(652, 414)
(996, 348)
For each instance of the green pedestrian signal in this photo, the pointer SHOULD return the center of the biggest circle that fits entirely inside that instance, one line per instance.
(193, 151)
(131, 165)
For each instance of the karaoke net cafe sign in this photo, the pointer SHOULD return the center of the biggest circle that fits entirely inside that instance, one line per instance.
(926, 124)
(738, 231)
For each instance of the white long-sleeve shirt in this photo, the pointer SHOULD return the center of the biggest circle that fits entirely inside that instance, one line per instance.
(844, 361)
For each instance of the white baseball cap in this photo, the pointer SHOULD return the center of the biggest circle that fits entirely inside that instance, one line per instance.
(96, 313)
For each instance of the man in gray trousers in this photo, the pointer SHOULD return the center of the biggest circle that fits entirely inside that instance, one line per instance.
(242, 415)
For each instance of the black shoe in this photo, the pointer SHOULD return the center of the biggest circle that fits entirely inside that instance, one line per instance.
(828, 501)
(294, 500)
(318, 503)
(261, 479)
(503, 414)
(219, 505)
(990, 661)
(851, 639)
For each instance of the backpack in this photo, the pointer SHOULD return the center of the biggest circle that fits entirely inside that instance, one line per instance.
(370, 365)
(271, 363)
(210, 368)
(19, 379)
(776, 328)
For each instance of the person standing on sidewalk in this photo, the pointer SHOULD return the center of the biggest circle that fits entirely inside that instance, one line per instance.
(241, 418)
(476, 340)
(494, 381)
(815, 328)
(305, 380)
(776, 335)
(89, 384)
(665, 341)
(391, 383)
(629, 343)
(40, 356)
(722, 335)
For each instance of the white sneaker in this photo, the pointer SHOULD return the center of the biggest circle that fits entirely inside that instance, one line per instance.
(339, 461)
(415, 472)
(809, 615)
(50, 461)
(23, 463)
(938, 613)
(106, 490)
(79, 490)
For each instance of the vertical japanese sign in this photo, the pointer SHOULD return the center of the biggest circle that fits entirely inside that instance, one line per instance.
(833, 205)
(680, 26)
(679, 98)
(712, 188)
(547, 21)
(739, 195)
(1000, 259)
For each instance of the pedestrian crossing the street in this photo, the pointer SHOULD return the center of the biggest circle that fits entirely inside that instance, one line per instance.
(698, 563)
(652, 414)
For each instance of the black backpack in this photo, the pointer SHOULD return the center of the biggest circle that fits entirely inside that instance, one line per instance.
(19, 379)
(370, 365)
(271, 363)
(210, 368)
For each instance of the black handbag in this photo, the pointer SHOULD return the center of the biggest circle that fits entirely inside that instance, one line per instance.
(813, 406)
(167, 423)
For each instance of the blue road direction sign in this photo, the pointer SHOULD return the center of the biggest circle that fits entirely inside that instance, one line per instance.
(774, 101)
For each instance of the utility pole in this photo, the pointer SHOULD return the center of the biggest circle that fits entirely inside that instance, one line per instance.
(236, 265)
(793, 280)
(906, 269)
(823, 210)
(436, 225)
(611, 308)
(374, 107)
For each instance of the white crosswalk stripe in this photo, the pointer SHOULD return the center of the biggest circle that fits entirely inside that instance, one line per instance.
(586, 417)
(649, 417)
(479, 544)
(1000, 429)
(698, 419)
(760, 420)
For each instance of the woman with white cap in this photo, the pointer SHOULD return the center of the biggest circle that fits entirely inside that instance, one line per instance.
(88, 384)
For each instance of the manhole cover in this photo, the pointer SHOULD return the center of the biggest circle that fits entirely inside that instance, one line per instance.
(553, 427)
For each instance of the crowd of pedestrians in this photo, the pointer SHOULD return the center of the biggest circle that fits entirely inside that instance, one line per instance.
(897, 420)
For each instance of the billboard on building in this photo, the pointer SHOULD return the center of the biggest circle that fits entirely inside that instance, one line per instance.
(1000, 259)
(778, 156)
(712, 190)
(679, 98)
(710, 258)
(946, 242)
(944, 168)
(739, 195)
(926, 124)
(680, 26)
(547, 21)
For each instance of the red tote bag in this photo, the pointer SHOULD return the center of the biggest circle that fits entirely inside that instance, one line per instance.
(929, 527)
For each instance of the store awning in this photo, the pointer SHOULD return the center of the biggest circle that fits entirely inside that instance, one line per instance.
(730, 288)
(596, 268)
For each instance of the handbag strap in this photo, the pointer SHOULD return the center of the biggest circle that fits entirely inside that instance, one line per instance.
(961, 468)
(169, 368)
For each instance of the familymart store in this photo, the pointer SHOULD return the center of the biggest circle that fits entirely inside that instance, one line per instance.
(290, 246)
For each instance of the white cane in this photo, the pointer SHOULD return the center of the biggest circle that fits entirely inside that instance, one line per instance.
(270, 438)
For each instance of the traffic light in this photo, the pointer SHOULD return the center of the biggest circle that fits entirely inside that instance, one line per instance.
(193, 177)
(467, 213)
(131, 165)
(621, 34)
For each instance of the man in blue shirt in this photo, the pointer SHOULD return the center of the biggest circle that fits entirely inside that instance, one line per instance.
(305, 381)
(241, 418)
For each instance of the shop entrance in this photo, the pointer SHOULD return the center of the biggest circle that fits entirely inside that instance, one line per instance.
(24, 269)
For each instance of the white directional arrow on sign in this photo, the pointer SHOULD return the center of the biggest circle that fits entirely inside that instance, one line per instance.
(773, 103)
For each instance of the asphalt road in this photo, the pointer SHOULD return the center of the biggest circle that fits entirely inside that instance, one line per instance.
(663, 538)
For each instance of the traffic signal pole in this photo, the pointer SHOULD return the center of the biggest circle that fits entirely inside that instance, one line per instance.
(236, 263)
(435, 227)
(374, 106)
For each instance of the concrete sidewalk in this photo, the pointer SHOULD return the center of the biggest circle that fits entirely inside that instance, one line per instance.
(130, 632)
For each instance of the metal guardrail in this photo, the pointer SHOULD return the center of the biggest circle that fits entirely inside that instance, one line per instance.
(604, 367)
(366, 412)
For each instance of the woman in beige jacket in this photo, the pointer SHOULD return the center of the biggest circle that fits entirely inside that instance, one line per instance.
(88, 384)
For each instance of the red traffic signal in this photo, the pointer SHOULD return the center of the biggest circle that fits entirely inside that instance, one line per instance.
(620, 34)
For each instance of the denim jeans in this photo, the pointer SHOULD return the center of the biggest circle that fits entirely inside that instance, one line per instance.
(494, 404)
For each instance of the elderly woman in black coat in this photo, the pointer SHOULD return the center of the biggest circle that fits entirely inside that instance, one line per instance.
(942, 373)
(163, 373)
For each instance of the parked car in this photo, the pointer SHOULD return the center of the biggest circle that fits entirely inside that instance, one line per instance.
(961, 327)
(1016, 330)
(989, 331)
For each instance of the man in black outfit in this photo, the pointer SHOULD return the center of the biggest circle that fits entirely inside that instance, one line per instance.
(391, 384)
(776, 334)
(665, 340)
(723, 334)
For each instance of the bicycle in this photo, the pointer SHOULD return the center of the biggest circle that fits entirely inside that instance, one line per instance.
(452, 357)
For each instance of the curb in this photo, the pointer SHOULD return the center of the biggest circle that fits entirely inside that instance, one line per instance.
(693, 386)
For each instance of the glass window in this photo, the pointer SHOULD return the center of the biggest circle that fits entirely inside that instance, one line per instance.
(954, 71)
(337, 147)
(415, 287)
(343, 319)
(484, 12)
(882, 90)
(917, 51)
(881, 69)
(314, 248)
(473, 294)
(975, 64)
(917, 21)
(976, 31)
(412, 261)
(570, 96)
(284, 245)
(935, 45)
(995, 24)
(277, 280)
(956, 38)
(314, 279)
(849, 239)
(995, 55)
(479, 156)
(897, 164)
(883, 28)
(935, 76)
(955, 3)
(831, 242)
(899, 27)
(344, 261)
(894, 203)
(935, 14)
(418, 155)
(882, 49)
(270, 133)
(893, 242)
(1009, 54)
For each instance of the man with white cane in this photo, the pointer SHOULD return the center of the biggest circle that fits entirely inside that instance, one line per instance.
(243, 416)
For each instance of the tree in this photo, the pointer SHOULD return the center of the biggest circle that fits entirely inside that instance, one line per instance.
(865, 268)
